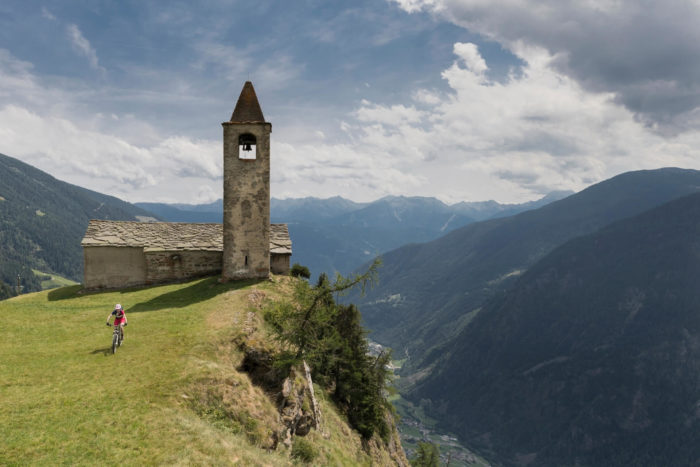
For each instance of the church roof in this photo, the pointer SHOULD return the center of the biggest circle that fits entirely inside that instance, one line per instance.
(247, 108)
(172, 236)
(280, 243)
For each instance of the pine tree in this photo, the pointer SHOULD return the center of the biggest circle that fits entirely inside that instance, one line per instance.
(330, 338)
(427, 455)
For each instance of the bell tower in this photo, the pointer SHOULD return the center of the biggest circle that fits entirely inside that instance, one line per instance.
(246, 190)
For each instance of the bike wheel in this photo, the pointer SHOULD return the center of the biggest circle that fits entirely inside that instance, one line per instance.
(115, 343)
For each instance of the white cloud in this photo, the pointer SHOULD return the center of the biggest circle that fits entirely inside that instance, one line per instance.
(355, 171)
(47, 14)
(83, 46)
(426, 97)
(416, 5)
(646, 53)
(189, 158)
(118, 155)
(469, 53)
(511, 139)
(107, 163)
(394, 115)
(205, 194)
(536, 131)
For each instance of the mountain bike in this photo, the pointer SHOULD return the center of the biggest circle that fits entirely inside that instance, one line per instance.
(117, 337)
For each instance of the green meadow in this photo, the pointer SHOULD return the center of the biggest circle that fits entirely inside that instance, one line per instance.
(65, 399)
(53, 281)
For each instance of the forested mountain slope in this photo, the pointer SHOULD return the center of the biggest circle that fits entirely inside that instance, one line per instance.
(428, 292)
(593, 356)
(42, 221)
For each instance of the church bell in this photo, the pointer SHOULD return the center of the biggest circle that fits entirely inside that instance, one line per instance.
(246, 141)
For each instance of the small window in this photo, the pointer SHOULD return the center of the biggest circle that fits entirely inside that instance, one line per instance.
(247, 147)
(246, 260)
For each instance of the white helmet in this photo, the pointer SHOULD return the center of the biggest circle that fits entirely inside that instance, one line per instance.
(117, 306)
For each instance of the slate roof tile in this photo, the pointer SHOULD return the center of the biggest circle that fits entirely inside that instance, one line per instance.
(170, 236)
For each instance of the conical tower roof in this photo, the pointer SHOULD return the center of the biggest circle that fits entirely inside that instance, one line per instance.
(247, 108)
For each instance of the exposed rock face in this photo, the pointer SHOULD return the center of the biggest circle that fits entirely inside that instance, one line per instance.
(314, 402)
(393, 446)
(296, 406)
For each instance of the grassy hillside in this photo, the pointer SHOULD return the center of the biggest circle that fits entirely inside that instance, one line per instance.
(52, 281)
(171, 395)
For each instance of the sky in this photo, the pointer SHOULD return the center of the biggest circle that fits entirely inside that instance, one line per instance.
(463, 100)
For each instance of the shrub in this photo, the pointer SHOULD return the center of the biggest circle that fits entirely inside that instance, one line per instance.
(303, 450)
(427, 455)
(300, 271)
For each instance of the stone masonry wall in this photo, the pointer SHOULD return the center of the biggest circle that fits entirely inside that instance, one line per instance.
(246, 204)
(280, 264)
(113, 267)
(165, 266)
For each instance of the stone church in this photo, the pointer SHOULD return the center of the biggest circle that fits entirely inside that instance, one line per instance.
(122, 254)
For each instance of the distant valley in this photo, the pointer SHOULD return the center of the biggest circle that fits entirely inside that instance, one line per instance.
(558, 335)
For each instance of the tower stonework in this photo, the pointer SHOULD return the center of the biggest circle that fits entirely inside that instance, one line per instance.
(246, 221)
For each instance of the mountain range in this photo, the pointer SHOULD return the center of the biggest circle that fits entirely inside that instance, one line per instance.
(338, 235)
(429, 292)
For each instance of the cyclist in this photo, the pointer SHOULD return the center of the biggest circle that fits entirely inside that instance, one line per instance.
(119, 318)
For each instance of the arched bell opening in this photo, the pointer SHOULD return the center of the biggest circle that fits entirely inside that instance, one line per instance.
(247, 147)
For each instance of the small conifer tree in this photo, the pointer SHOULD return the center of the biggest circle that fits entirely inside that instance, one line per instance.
(300, 271)
(330, 338)
(427, 455)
